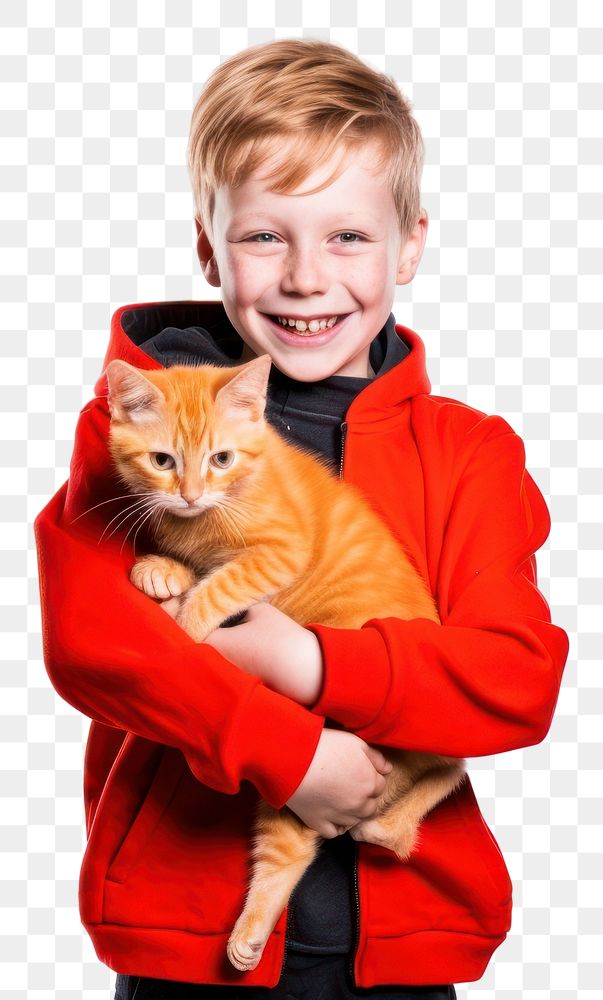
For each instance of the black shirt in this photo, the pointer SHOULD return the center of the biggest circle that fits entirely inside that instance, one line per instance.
(321, 915)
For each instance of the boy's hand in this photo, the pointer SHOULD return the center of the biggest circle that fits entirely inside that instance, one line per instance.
(272, 646)
(342, 786)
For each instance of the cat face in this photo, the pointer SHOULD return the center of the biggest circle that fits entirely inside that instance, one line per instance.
(187, 436)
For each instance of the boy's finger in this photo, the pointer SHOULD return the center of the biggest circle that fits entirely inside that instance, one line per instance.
(379, 762)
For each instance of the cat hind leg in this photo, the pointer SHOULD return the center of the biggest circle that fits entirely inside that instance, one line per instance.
(283, 849)
(397, 828)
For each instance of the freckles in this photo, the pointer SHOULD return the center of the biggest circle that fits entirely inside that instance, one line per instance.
(369, 275)
(241, 276)
(256, 279)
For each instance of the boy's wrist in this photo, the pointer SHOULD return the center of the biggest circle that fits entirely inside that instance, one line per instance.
(300, 677)
(313, 671)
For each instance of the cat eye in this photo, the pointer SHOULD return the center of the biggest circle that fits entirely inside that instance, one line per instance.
(161, 460)
(223, 459)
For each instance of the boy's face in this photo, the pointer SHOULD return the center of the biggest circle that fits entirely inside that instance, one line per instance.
(336, 252)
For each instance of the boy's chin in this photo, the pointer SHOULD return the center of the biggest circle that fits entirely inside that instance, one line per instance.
(315, 371)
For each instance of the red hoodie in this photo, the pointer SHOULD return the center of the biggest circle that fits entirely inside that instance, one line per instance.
(182, 742)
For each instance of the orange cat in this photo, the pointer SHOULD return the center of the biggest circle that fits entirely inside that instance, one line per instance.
(239, 515)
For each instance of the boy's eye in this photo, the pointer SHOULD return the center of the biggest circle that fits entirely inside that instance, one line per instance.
(256, 238)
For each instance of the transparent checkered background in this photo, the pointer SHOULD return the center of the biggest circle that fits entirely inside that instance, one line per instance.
(96, 212)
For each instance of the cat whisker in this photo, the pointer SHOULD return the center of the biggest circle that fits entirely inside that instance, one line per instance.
(231, 521)
(135, 508)
(133, 513)
(144, 516)
(110, 500)
(125, 510)
(149, 516)
(243, 512)
(163, 512)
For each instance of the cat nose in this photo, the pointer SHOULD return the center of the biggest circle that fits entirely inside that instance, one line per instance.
(190, 497)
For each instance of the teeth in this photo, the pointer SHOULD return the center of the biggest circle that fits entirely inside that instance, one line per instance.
(313, 326)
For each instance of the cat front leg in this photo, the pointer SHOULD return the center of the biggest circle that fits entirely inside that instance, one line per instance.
(259, 574)
(161, 576)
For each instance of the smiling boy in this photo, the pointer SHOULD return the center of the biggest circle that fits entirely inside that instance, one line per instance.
(305, 166)
(290, 256)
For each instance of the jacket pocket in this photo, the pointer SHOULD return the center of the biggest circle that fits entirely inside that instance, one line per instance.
(157, 799)
(487, 851)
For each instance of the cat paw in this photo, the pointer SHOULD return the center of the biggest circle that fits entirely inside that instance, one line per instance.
(190, 620)
(172, 607)
(161, 577)
(404, 843)
(244, 955)
(371, 831)
(377, 831)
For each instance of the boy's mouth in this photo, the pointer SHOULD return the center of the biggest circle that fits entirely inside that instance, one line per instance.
(314, 325)
(296, 331)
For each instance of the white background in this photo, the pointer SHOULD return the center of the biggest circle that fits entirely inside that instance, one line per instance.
(96, 212)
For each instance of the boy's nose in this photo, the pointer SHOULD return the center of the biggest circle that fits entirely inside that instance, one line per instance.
(305, 273)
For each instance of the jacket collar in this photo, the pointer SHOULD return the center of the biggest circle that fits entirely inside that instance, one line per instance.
(133, 324)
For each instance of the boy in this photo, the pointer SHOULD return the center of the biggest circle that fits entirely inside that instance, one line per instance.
(184, 737)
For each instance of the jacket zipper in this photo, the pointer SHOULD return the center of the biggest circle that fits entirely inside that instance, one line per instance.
(356, 914)
(344, 428)
(357, 922)
(286, 936)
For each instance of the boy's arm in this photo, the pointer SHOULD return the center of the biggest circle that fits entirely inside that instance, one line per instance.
(115, 655)
(487, 679)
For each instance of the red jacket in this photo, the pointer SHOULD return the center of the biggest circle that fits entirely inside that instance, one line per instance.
(182, 742)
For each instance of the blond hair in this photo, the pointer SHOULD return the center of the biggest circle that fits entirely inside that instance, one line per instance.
(313, 92)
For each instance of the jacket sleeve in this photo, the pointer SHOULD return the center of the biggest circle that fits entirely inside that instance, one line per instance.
(487, 679)
(117, 657)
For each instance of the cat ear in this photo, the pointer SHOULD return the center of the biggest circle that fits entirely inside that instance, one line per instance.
(131, 396)
(245, 395)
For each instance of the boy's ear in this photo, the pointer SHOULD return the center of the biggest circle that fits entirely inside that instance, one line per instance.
(412, 250)
(205, 253)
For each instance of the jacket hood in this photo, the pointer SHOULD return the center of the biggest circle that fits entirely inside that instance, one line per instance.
(133, 325)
